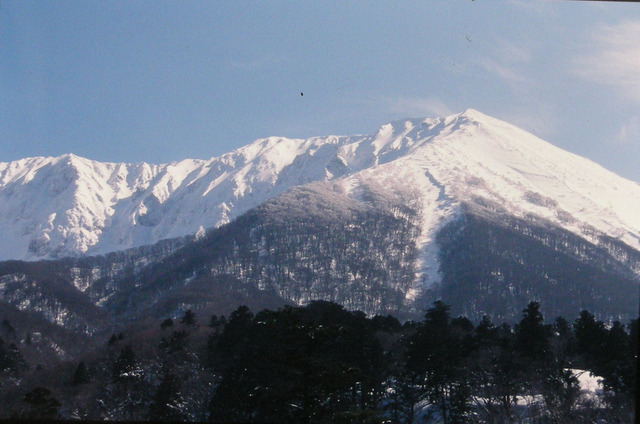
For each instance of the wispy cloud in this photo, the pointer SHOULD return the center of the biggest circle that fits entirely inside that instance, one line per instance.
(613, 58)
(514, 53)
(507, 73)
(539, 118)
(418, 106)
(508, 62)
(630, 132)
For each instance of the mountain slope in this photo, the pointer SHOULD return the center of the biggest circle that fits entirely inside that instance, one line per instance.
(313, 242)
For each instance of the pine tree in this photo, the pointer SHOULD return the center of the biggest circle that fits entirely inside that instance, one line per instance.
(563, 342)
(435, 353)
(532, 336)
(189, 318)
(315, 364)
(166, 323)
(124, 367)
(617, 365)
(81, 375)
(112, 340)
(561, 392)
(166, 404)
(11, 360)
(214, 322)
(496, 372)
(591, 338)
(7, 330)
(42, 404)
(176, 342)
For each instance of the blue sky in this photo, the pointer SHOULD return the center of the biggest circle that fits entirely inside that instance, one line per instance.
(159, 81)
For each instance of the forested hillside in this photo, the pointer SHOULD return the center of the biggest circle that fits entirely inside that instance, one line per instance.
(492, 263)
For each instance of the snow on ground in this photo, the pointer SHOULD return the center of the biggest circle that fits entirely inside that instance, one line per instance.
(589, 383)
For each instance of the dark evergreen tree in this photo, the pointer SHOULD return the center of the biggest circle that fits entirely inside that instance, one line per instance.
(11, 360)
(42, 404)
(124, 368)
(81, 374)
(112, 340)
(486, 333)
(166, 323)
(236, 333)
(214, 322)
(314, 364)
(591, 336)
(7, 330)
(563, 342)
(386, 323)
(561, 393)
(532, 336)
(176, 342)
(618, 367)
(496, 373)
(534, 355)
(405, 393)
(189, 318)
(217, 323)
(166, 404)
(436, 355)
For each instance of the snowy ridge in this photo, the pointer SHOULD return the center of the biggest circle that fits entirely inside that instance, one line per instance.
(472, 156)
(54, 207)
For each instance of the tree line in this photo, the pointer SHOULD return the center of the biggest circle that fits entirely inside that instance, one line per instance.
(324, 364)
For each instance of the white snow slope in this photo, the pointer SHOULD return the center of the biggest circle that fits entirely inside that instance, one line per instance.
(54, 207)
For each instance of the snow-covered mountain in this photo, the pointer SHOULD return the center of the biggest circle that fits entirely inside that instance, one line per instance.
(466, 208)
(67, 206)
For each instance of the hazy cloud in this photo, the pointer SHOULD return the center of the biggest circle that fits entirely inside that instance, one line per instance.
(508, 62)
(419, 107)
(506, 73)
(630, 132)
(514, 53)
(612, 58)
(539, 118)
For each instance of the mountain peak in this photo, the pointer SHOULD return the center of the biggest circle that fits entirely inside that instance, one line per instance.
(474, 115)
